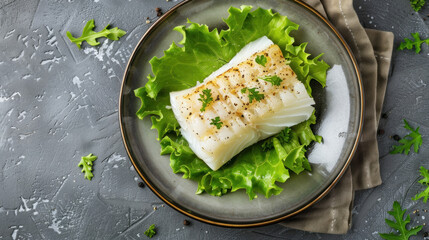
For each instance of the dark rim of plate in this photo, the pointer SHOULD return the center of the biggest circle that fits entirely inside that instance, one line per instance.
(207, 219)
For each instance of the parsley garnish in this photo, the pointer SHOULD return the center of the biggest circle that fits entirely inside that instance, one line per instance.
(400, 225)
(275, 80)
(425, 182)
(216, 122)
(417, 42)
(261, 60)
(205, 98)
(283, 137)
(413, 139)
(417, 4)
(150, 232)
(90, 36)
(86, 165)
(253, 94)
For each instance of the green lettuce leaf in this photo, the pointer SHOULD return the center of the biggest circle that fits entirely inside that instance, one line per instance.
(203, 51)
(163, 119)
(253, 169)
(301, 136)
(246, 26)
(306, 69)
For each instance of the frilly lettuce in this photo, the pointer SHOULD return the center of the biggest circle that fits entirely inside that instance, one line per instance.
(204, 51)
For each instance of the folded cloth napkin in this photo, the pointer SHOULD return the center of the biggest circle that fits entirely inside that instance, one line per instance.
(372, 50)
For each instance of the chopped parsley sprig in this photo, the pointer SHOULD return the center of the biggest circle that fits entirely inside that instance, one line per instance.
(205, 98)
(416, 43)
(253, 94)
(275, 80)
(216, 122)
(150, 232)
(413, 139)
(261, 60)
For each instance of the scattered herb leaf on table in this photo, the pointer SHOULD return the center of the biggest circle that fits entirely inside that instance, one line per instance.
(86, 165)
(150, 232)
(401, 233)
(90, 36)
(416, 43)
(417, 4)
(413, 139)
(425, 182)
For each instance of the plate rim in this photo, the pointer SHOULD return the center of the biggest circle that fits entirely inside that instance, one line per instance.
(207, 219)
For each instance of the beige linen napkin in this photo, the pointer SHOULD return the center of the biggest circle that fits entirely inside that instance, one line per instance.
(373, 50)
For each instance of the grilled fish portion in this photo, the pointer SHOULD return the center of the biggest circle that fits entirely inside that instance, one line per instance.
(232, 119)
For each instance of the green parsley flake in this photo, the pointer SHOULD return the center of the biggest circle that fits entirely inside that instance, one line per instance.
(414, 139)
(205, 98)
(86, 165)
(275, 80)
(255, 95)
(261, 60)
(216, 122)
(150, 232)
(90, 36)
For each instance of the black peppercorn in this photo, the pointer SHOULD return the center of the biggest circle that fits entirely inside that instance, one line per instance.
(141, 184)
(380, 132)
(396, 137)
(186, 222)
(384, 115)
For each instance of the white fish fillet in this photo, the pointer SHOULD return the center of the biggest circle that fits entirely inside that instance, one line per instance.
(243, 123)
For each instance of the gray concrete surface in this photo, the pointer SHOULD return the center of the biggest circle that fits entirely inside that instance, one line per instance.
(58, 103)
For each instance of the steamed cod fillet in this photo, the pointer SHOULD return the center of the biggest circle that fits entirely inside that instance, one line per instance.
(243, 122)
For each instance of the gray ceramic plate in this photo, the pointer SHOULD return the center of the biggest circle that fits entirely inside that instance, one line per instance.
(339, 112)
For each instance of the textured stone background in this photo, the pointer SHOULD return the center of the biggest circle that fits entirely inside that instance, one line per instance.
(58, 103)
